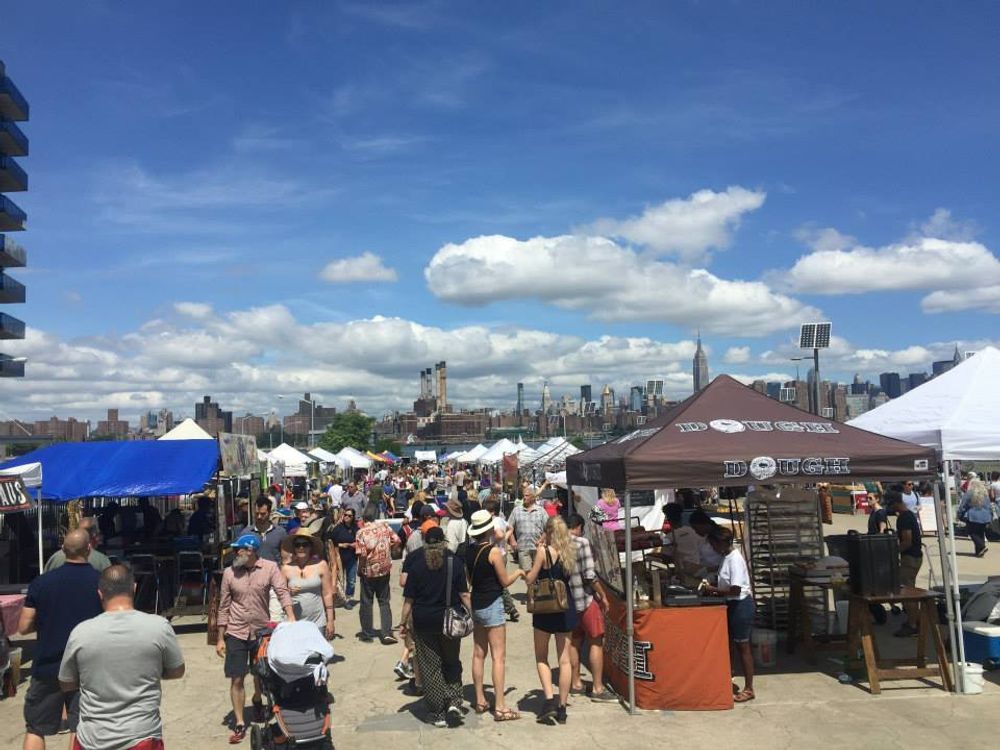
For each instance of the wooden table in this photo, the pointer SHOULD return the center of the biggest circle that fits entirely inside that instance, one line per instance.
(800, 616)
(861, 635)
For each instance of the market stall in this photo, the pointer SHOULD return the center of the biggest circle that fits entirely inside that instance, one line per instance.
(730, 435)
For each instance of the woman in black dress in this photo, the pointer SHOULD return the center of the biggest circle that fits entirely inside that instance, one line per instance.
(555, 556)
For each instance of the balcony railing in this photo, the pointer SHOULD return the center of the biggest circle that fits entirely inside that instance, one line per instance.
(12, 177)
(12, 255)
(12, 141)
(13, 105)
(12, 218)
(11, 327)
(11, 290)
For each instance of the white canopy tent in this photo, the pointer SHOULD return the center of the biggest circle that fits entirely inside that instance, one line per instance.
(295, 461)
(430, 456)
(323, 456)
(497, 451)
(956, 413)
(350, 458)
(551, 453)
(31, 475)
(473, 454)
(187, 430)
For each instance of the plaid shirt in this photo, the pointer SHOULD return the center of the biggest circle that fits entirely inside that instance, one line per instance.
(374, 544)
(528, 525)
(582, 573)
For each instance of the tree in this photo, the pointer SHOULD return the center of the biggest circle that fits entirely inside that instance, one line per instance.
(348, 429)
(388, 444)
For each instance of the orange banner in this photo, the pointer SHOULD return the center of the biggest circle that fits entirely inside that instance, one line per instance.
(681, 657)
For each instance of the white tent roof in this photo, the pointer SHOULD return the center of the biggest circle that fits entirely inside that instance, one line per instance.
(425, 455)
(955, 412)
(553, 452)
(498, 450)
(31, 474)
(321, 454)
(295, 461)
(472, 455)
(349, 458)
(187, 430)
(261, 455)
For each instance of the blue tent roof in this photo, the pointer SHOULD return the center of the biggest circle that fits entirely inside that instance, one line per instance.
(141, 468)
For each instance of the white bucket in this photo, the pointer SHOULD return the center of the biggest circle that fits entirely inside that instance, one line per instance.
(765, 647)
(974, 680)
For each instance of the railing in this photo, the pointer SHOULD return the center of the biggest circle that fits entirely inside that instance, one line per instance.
(8, 88)
(7, 164)
(11, 327)
(12, 130)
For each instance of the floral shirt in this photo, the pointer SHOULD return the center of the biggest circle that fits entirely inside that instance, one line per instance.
(374, 544)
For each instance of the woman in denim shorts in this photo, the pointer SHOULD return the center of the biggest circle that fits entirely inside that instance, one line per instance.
(487, 568)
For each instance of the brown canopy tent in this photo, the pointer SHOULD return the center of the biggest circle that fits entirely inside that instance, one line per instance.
(730, 435)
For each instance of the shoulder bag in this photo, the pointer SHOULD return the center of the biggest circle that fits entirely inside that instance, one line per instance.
(548, 594)
(457, 619)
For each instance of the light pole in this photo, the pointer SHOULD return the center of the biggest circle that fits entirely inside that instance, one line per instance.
(815, 336)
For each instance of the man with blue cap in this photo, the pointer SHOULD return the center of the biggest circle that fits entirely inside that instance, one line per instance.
(243, 610)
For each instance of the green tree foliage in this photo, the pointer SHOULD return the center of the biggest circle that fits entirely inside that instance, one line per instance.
(387, 444)
(348, 429)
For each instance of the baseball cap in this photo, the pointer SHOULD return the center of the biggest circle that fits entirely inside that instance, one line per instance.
(301, 505)
(247, 541)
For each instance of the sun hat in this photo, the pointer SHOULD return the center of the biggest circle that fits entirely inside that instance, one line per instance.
(454, 509)
(288, 543)
(247, 541)
(482, 522)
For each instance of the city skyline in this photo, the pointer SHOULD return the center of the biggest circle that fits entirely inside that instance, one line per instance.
(437, 181)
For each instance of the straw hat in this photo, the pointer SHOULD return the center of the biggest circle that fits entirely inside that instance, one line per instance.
(454, 508)
(288, 543)
(482, 522)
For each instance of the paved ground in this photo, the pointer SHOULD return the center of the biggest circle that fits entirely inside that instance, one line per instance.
(798, 705)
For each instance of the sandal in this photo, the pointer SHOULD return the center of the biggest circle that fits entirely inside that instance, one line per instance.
(481, 708)
(507, 714)
(744, 696)
(239, 734)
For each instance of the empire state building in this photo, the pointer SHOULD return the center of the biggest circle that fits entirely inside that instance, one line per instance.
(700, 367)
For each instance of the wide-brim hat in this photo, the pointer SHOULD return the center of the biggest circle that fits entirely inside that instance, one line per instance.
(454, 509)
(482, 522)
(288, 543)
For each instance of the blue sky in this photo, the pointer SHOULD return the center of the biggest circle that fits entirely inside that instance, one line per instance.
(248, 199)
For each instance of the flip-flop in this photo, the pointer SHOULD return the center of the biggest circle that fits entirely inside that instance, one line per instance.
(481, 708)
(506, 714)
(238, 735)
(744, 696)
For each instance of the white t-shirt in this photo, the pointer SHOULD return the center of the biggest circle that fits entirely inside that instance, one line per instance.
(733, 572)
(500, 524)
(336, 493)
(995, 486)
(912, 500)
(455, 532)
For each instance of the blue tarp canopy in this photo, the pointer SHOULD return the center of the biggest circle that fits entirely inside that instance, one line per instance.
(140, 468)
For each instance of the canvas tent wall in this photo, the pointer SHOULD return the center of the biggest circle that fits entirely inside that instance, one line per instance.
(730, 435)
(430, 456)
(295, 462)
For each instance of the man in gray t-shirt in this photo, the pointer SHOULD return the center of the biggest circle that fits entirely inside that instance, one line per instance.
(117, 660)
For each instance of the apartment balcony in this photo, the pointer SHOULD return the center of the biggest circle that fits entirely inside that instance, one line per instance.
(12, 141)
(11, 367)
(11, 327)
(12, 255)
(13, 105)
(11, 291)
(12, 218)
(13, 179)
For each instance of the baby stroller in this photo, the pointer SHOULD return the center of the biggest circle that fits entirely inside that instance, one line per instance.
(291, 661)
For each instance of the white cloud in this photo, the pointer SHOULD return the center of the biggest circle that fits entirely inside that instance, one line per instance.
(686, 227)
(364, 267)
(609, 281)
(196, 310)
(943, 226)
(986, 298)
(737, 355)
(921, 263)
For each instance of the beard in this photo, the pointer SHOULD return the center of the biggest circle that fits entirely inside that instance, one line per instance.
(241, 561)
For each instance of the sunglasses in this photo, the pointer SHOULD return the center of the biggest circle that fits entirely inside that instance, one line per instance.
(302, 545)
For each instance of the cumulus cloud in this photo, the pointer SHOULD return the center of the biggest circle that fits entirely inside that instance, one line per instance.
(196, 310)
(736, 355)
(941, 224)
(611, 282)
(686, 227)
(365, 267)
(922, 263)
(985, 298)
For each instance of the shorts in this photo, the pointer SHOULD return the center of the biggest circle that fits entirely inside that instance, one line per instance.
(591, 625)
(239, 655)
(490, 616)
(43, 707)
(525, 559)
(909, 566)
(739, 616)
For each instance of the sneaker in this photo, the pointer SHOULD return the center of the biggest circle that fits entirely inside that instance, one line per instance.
(365, 638)
(605, 696)
(561, 715)
(388, 640)
(906, 631)
(453, 716)
(439, 722)
(401, 671)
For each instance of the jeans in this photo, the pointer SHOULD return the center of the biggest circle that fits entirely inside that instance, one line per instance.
(350, 575)
(370, 589)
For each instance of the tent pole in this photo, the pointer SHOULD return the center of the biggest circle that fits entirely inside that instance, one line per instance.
(41, 552)
(629, 603)
(945, 567)
(958, 647)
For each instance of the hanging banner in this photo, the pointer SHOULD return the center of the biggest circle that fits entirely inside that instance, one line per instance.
(239, 454)
(510, 466)
(13, 495)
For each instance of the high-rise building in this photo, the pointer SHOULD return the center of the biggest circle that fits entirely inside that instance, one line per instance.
(112, 426)
(520, 404)
(890, 384)
(916, 379)
(586, 394)
(635, 398)
(546, 398)
(211, 418)
(13, 143)
(607, 399)
(700, 367)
